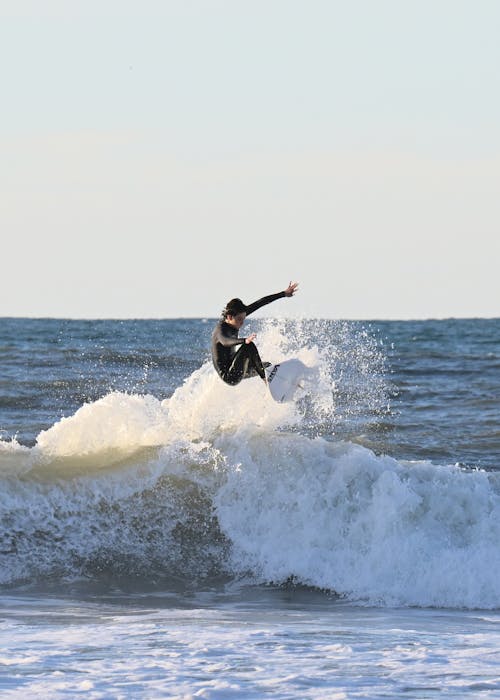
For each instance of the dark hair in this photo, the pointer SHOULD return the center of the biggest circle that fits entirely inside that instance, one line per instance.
(234, 307)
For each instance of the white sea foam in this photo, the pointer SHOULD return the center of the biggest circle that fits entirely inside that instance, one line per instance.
(125, 647)
(339, 517)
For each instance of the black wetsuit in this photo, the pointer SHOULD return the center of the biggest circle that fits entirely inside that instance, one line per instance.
(234, 359)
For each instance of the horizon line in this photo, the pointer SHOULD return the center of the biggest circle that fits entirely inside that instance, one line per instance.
(214, 318)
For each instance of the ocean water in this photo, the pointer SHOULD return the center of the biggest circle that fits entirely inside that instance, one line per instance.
(163, 535)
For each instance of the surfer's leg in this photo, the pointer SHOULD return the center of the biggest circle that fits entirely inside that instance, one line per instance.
(246, 364)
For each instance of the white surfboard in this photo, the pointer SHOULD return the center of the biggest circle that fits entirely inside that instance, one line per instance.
(284, 379)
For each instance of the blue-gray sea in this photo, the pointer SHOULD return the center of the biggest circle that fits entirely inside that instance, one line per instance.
(163, 535)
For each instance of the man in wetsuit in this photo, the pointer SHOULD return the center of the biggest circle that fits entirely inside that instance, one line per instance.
(238, 358)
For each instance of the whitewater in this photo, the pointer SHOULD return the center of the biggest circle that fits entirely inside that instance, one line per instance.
(215, 530)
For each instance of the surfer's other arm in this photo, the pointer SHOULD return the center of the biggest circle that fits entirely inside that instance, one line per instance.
(224, 335)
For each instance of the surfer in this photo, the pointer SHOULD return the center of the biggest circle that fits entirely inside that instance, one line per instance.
(237, 358)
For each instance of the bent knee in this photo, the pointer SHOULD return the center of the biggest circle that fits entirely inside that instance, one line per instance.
(231, 381)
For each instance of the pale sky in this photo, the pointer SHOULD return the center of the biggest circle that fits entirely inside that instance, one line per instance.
(160, 157)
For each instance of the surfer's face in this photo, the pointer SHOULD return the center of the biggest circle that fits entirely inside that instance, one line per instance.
(236, 321)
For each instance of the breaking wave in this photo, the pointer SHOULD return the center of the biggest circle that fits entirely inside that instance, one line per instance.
(219, 482)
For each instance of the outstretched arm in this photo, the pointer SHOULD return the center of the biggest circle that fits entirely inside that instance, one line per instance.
(288, 292)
